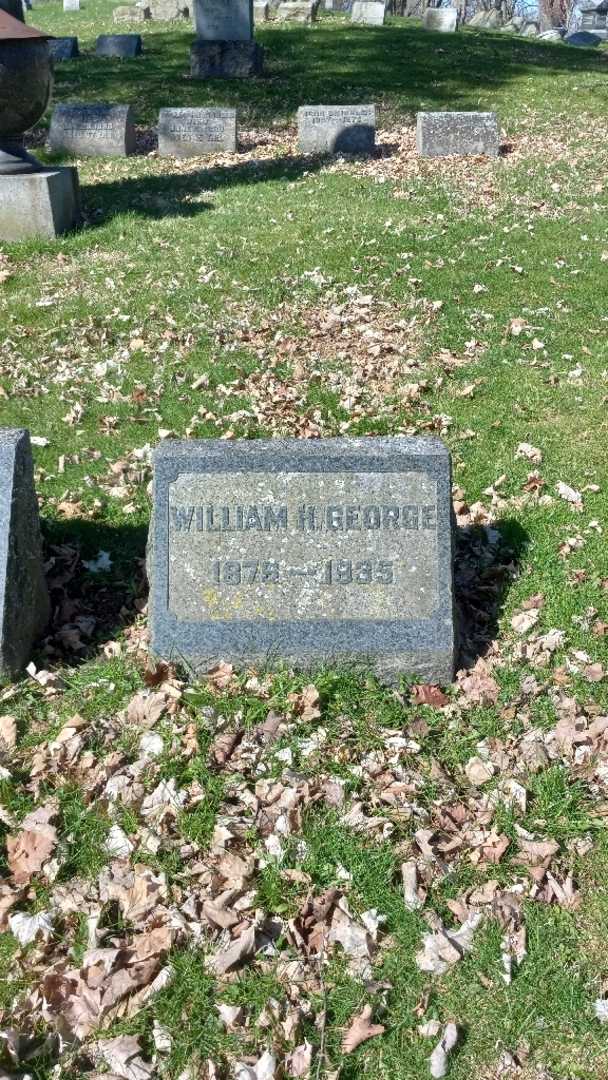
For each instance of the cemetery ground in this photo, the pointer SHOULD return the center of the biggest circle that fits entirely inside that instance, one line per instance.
(266, 868)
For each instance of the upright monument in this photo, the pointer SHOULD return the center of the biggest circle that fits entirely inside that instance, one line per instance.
(34, 201)
(225, 47)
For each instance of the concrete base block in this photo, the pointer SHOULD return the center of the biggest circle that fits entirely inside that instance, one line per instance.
(45, 203)
(226, 59)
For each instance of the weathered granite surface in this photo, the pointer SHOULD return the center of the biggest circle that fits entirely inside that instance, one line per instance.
(45, 203)
(24, 600)
(224, 20)
(368, 12)
(299, 11)
(443, 20)
(226, 59)
(63, 48)
(168, 10)
(192, 132)
(131, 13)
(441, 133)
(336, 129)
(123, 46)
(93, 130)
(304, 550)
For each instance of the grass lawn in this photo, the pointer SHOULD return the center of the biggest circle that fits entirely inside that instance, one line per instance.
(272, 812)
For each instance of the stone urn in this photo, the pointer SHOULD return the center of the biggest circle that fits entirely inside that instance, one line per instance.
(26, 79)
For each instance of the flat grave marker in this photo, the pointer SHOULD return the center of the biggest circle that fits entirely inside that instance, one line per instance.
(336, 129)
(305, 551)
(122, 46)
(193, 132)
(24, 600)
(441, 133)
(93, 130)
(63, 48)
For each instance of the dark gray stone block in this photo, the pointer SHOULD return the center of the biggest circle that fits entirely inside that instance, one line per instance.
(40, 204)
(124, 46)
(24, 600)
(63, 48)
(441, 133)
(305, 551)
(192, 132)
(226, 59)
(93, 130)
(583, 39)
(336, 129)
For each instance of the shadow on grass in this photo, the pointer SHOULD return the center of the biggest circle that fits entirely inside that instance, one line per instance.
(400, 67)
(486, 563)
(183, 194)
(90, 608)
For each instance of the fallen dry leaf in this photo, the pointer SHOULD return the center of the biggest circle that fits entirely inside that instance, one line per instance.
(361, 1029)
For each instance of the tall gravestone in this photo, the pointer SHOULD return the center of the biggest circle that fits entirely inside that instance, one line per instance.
(34, 201)
(305, 551)
(24, 600)
(225, 47)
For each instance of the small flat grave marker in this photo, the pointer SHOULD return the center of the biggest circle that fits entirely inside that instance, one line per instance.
(442, 20)
(304, 551)
(192, 132)
(441, 133)
(123, 46)
(93, 130)
(368, 12)
(24, 600)
(336, 129)
(63, 48)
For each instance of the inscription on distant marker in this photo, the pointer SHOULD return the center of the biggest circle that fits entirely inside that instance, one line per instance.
(190, 132)
(93, 130)
(335, 129)
(341, 548)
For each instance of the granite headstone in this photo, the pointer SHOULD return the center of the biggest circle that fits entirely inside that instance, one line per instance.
(224, 20)
(71, 5)
(63, 48)
(24, 600)
(123, 46)
(225, 48)
(93, 130)
(443, 20)
(368, 12)
(298, 11)
(192, 132)
(336, 129)
(305, 551)
(441, 133)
